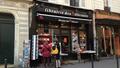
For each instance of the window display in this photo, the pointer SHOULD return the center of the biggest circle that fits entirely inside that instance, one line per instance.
(74, 39)
(65, 41)
(82, 37)
(43, 36)
(67, 34)
(105, 42)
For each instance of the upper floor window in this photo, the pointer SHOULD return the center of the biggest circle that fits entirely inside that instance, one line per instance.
(74, 3)
(77, 3)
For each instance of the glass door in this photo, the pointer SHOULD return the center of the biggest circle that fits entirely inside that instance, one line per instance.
(55, 36)
(65, 40)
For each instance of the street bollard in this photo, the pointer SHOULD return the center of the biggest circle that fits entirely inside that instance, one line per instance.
(5, 63)
(117, 61)
(92, 61)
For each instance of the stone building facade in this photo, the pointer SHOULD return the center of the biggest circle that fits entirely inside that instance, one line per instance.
(19, 10)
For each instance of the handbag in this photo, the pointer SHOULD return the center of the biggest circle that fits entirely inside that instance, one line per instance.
(54, 51)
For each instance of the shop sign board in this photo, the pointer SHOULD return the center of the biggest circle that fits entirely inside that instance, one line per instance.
(63, 10)
(101, 14)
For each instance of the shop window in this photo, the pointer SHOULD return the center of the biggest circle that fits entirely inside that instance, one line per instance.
(55, 35)
(74, 26)
(74, 39)
(52, 36)
(105, 42)
(42, 36)
(53, 24)
(45, 26)
(81, 26)
(65, 41)
(46, 29)
(65, 25)
(40, 25)
(82, 37)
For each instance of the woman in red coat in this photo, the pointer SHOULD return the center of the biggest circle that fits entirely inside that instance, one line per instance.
(46, 53)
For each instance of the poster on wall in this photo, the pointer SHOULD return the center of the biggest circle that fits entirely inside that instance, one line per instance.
(74, 40)
(26, 49)
(26, 53)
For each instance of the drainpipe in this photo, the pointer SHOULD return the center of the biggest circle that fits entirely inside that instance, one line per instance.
(94, 35)
(105, 3)
(106, 6)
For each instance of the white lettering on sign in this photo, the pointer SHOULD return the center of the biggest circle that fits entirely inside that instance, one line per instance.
(57, 11)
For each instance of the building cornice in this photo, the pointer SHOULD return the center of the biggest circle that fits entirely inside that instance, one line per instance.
(15, 4)
(101, 14)
(24, 1)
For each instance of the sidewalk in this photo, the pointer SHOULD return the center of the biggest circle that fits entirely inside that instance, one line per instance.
(103, 63)
(109, 63)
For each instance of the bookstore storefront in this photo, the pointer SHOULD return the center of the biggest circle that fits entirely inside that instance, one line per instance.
(71, 27)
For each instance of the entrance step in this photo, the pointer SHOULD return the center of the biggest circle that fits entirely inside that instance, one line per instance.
(70, 62)
(9, 66)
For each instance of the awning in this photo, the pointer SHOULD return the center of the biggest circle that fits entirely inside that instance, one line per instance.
(61, 18)
(107, 22)
(101, 14)
(107, 18)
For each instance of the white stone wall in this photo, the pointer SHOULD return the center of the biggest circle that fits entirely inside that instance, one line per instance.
(64, 2)
(98, 4)
(89, 4)
(115, 5)
(61, 2)
(20, 12)
(92, 4)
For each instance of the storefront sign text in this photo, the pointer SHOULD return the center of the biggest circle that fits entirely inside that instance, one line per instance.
(63, 10)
